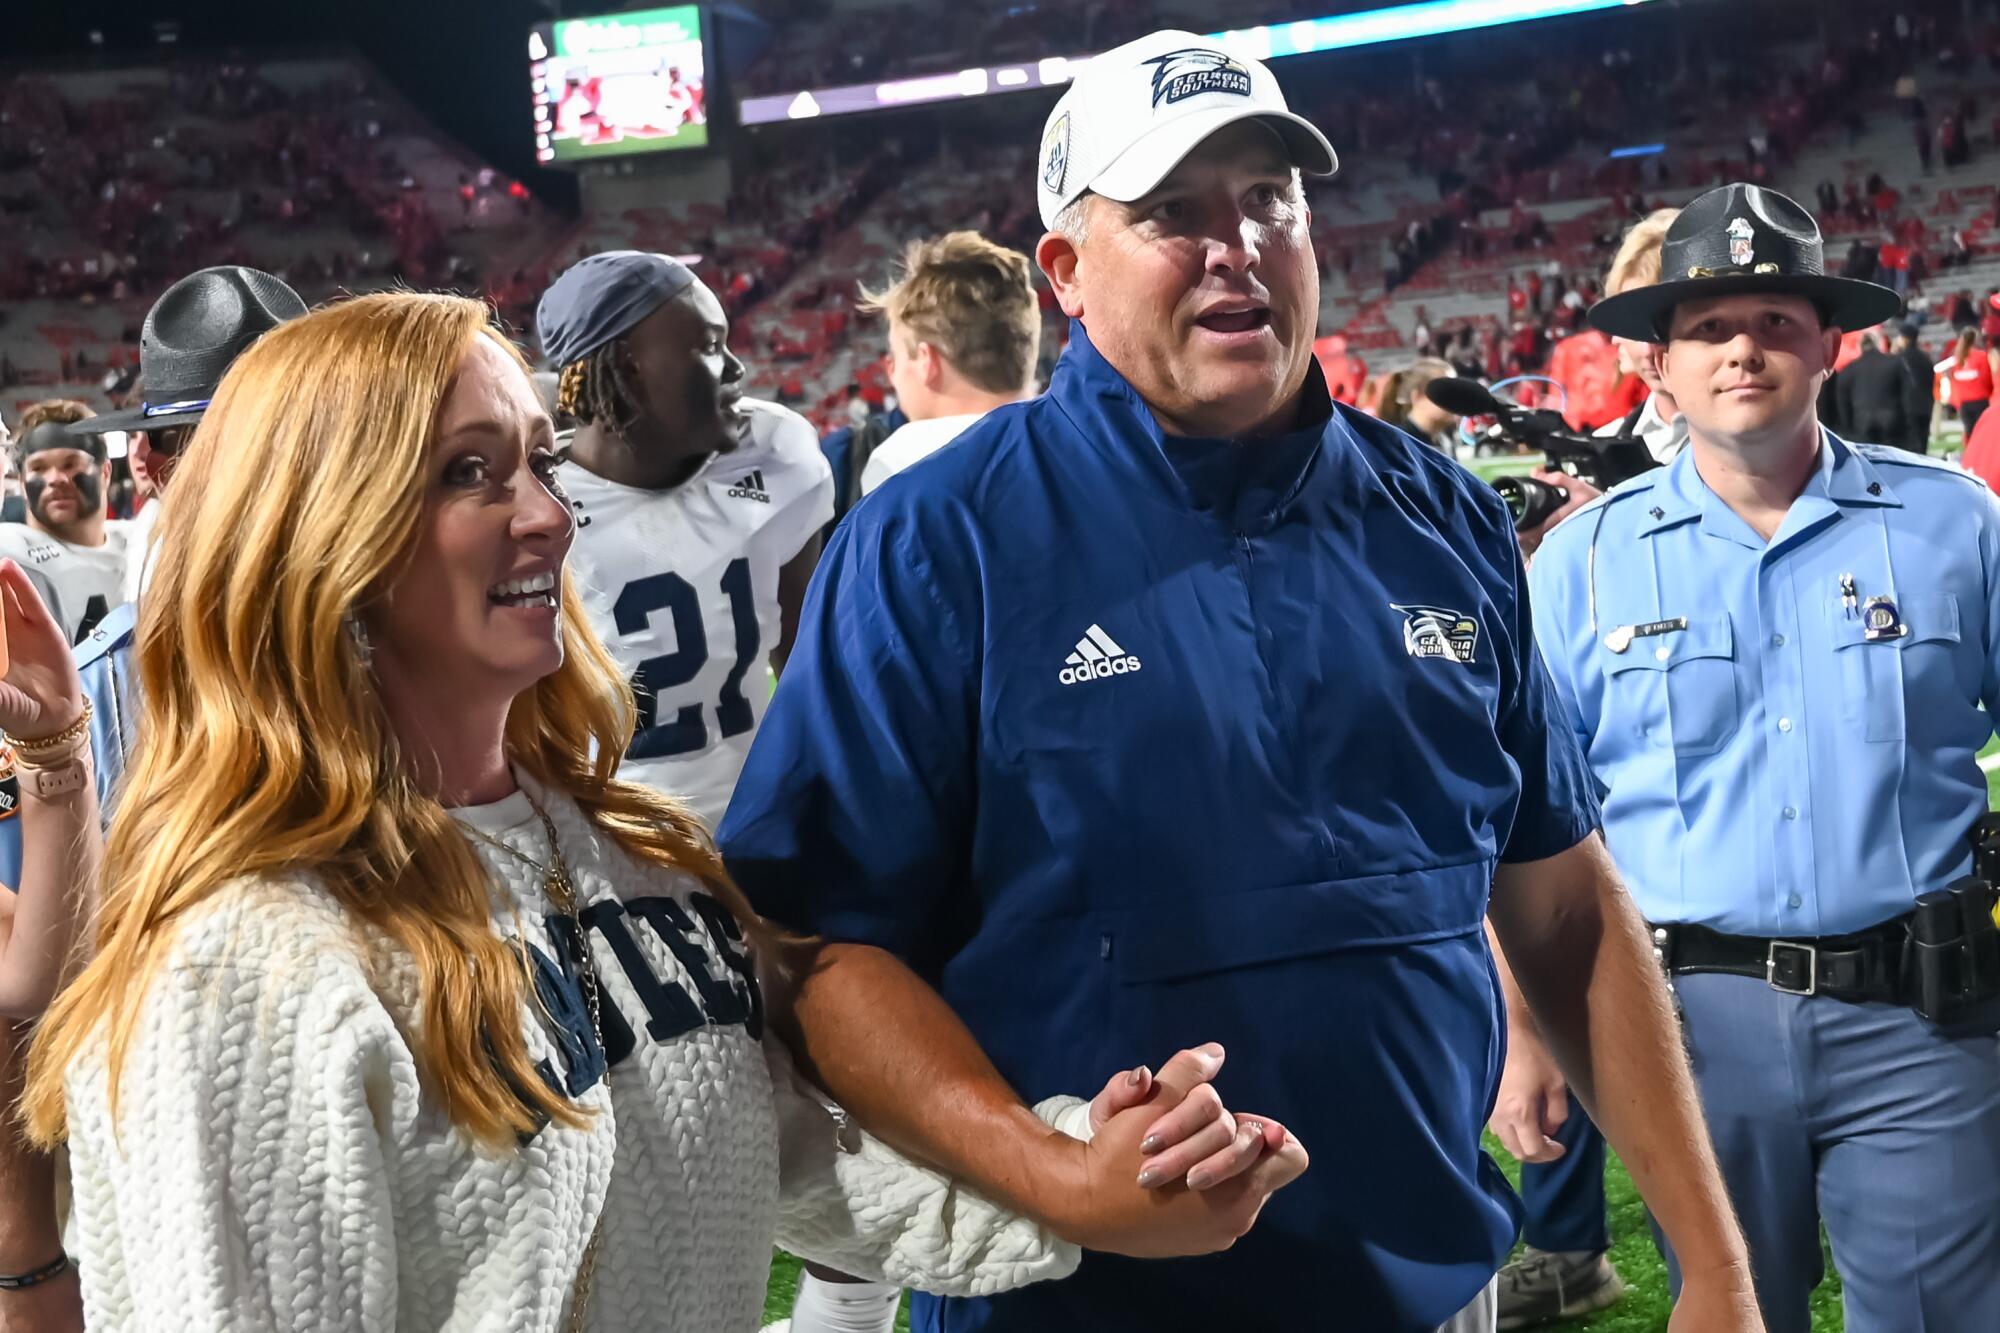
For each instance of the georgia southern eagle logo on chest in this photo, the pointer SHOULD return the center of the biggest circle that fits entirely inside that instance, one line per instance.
(1438, 632)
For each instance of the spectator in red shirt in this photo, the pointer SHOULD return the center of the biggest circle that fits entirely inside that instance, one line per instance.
(1965, 379)
(1894, 259)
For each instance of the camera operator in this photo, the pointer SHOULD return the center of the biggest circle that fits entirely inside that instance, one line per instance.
(1657, 421)
(1564, 1268)
(1406, 405)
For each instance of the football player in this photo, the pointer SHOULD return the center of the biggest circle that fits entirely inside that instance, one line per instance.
(698, 512)
(72, 550)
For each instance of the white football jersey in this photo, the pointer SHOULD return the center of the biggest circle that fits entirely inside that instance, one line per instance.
(682, 586)
(82, 584)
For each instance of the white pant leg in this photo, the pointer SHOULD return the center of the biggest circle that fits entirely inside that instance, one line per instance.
(1479, 1317)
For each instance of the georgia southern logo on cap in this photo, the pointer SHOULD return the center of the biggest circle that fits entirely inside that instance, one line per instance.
(1055, 154)
(1194, 70)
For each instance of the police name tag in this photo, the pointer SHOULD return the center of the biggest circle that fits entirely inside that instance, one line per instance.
(1618, 640)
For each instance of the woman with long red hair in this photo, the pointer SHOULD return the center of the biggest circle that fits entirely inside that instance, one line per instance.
(405, 1012)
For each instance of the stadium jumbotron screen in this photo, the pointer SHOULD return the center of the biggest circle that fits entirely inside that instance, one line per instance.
(617, 85)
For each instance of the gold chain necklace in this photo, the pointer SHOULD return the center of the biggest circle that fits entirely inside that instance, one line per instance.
(561, 891)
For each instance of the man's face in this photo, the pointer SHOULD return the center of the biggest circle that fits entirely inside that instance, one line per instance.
(153, 455)
(64, 486)
(907, 373)
(687, 380)
(1203, 294)
(1746, 369)
(1636, 358)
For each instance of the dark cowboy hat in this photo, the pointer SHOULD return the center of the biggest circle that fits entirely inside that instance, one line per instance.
(193, 332)
(1742, 238)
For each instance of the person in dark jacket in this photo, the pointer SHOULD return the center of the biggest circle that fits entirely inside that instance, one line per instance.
(1917, 385)
(1874, 397)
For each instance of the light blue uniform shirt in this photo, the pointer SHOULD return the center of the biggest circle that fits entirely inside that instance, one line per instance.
(1767, 770)
(104, 659)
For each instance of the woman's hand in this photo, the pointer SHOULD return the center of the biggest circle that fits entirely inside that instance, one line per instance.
(1112, 1210)
(1200, 1141)
(41, 692)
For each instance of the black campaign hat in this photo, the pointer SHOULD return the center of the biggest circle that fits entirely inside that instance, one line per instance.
(193, 332)
(1743, 238)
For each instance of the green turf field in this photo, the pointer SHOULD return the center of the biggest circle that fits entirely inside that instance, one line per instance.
(1645, 1307)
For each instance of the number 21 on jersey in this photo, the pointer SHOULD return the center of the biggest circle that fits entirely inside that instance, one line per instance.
(686, 732)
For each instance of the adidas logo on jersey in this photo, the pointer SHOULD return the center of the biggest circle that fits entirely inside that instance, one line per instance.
(750, 486)
(1097, 656)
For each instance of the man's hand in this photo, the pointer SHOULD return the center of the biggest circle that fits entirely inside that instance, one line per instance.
(1534, 1100)
(1581, 493)
(1112, 1211)
(1721, 1299)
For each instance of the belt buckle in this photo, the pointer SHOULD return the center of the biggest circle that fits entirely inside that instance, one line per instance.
(1812, 968)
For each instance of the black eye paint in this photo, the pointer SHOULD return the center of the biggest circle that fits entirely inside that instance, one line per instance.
(89, 494)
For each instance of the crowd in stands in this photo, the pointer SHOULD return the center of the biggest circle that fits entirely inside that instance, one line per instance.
(105, 199)
(1480, 170)
(1483, 166)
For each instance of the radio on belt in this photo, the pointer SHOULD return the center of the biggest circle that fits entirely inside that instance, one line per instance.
(1952, 964)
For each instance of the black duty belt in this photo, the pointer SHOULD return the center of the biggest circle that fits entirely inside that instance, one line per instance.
(1867, 966)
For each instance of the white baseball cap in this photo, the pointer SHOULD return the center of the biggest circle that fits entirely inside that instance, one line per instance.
(1137, 110)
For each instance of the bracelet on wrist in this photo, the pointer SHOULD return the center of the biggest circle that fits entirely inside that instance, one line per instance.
(48, 1272)
(42, 750)
(72, 750)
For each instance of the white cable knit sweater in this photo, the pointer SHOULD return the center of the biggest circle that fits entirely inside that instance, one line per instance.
(277, 1168)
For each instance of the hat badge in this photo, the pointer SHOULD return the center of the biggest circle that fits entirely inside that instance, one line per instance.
(1740, 237)
(1055, 154)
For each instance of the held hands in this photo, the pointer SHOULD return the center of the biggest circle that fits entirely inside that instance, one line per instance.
(41, 693)
(1533, 1102)
(1171, 1171)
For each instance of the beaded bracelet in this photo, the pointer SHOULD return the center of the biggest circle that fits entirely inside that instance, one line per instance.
(55, 1268)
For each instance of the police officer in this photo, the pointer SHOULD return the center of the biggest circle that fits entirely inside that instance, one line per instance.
(1184, 696)
(1775, 652)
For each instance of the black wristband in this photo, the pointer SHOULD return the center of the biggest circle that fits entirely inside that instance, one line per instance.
(55, 1268)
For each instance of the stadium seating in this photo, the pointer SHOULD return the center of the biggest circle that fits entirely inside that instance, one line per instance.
(312, 168)
(115, 181)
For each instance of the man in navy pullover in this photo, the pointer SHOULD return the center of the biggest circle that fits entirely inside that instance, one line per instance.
(1183, 700)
